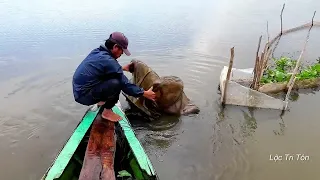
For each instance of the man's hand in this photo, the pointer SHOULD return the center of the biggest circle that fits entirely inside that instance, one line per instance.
(150, 94)
(127, 67)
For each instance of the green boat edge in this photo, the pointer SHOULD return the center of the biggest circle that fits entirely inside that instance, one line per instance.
(60, 163)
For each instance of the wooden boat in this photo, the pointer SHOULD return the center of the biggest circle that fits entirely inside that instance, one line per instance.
(130, 159)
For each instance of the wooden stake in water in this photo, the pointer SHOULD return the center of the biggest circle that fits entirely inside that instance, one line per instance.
(228, 75)
(295, 71)
(281, 17)
(288, 94)
(256, 67)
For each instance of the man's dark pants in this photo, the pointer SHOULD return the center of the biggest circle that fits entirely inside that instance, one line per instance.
(108, 92)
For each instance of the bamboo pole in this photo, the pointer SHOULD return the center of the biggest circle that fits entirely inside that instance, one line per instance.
(260, 71)
(256, 67)
(228, 75)
(281, 17)
(266, 46)
(295, 71)
(264, 62)
(264, 56)
(288, 94)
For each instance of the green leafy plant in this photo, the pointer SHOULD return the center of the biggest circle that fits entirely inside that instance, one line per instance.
(282, 71)
(284, 64)
(310, 72)
(123, 173)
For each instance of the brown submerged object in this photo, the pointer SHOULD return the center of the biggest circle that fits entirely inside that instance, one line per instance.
(98, 162)
(170, 96)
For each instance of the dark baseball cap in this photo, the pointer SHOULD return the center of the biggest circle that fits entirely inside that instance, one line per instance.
(121, 40)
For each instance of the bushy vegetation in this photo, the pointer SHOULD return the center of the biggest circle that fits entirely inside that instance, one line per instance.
(282, 71)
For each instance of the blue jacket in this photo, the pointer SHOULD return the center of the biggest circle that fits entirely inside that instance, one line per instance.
(97, 67)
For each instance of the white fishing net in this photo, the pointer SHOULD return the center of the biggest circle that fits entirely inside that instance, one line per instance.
(238, 94)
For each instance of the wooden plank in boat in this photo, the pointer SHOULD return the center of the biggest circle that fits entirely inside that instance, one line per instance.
(99, 156)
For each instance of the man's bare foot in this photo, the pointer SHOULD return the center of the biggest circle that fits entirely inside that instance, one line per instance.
(101, 103)
(108, 114)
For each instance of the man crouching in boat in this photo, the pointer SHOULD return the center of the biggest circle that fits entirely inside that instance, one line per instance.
(99, 78)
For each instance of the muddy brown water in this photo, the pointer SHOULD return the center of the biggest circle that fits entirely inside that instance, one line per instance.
(42, 42)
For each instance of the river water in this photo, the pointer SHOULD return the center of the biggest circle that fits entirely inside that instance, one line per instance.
(42, 42)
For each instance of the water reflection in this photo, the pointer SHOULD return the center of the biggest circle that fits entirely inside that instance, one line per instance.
(281, 129)
(249, 125)
(156, 134)
(161, 140)
(294, 96)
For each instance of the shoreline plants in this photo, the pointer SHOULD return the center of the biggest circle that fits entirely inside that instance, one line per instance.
(282, 70)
